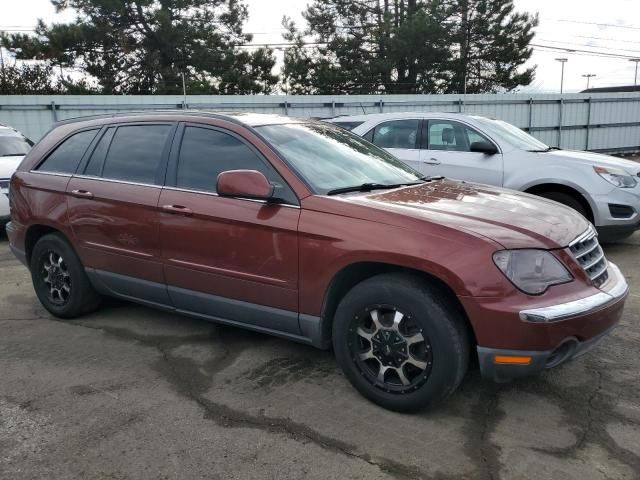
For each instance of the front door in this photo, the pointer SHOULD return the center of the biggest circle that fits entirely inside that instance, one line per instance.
(112, 208)
(447, 152)
(229, 258)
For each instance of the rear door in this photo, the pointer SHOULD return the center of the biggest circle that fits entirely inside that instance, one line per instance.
(401, 138)
(113, 208)
(446, 151)
(230, 258)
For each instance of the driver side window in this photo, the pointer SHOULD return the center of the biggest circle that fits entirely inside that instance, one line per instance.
(452, 136)
(205, 153)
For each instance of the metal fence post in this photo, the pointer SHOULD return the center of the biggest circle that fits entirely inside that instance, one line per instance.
(286, 108)
(381, 103)
(588, 123)
(460, 105)
(560, 123)
(333, 107)
(53, 111)
(530, 114)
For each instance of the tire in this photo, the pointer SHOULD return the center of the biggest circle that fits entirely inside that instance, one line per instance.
(436, 340)
(567, 200)
(59, 279)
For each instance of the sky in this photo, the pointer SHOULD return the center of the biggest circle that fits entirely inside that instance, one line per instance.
(609, 26)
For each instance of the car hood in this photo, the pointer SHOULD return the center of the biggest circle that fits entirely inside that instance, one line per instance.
(512, 219)
(8, 165)
(595, 159)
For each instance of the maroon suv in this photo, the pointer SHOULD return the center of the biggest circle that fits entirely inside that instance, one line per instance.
(306, 231)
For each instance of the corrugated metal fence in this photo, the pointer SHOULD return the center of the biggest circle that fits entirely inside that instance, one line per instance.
(600, 122)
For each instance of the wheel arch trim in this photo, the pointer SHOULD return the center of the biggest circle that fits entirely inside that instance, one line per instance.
(320, 328)
(563, 186)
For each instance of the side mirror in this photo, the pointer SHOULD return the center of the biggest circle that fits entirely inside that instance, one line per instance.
(244, 184)
(487, 148)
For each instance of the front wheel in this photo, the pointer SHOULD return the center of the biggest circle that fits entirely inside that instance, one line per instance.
(59, 279)
(400, 342)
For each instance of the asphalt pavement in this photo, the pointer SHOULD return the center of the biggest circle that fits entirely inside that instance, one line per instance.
(134, 393)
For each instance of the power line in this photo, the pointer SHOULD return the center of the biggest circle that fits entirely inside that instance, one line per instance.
(582, 52)
(631, 27)
(586, 45)
(619, 40)
(286, 45)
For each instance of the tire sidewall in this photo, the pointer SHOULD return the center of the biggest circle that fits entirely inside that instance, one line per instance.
(436, 323)
(79, 281)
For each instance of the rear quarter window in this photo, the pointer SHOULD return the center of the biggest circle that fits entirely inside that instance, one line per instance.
(66, 157)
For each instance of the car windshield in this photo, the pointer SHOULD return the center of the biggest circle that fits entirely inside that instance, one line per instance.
(512, 134)
(331, 158)
(12, 144)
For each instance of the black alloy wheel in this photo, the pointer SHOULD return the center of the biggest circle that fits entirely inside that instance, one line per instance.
(390, 349)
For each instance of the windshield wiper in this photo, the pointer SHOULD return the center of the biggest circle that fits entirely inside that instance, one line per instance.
(367, 187)
(12, 154)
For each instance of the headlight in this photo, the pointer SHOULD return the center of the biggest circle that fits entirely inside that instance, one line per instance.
(532, 271)
(616, 176)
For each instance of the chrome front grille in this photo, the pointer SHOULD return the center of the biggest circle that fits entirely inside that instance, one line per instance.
(587, 251)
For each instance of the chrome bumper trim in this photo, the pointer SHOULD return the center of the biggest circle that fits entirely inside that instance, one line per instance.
(563, 311)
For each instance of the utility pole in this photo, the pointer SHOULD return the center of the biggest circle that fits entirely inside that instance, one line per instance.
(184, 91)
(562, 61)
(635, 78)
(588, 76)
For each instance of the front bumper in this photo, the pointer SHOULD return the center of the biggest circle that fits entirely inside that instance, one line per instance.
(4, 208)
(612, 227)
(539, 361)
(572, 328)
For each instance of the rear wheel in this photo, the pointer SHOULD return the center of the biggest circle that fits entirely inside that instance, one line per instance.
(400, 342)
(59, 279)
(567, 200)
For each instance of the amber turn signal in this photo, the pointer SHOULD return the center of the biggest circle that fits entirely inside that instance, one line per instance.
(511, 360)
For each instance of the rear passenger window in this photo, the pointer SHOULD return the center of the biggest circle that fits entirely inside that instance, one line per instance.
(133, 154)
(397, 134)
(67, 156)
(205, 153)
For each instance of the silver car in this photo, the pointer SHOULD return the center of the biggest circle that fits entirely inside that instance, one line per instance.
(13, 147)
(605, 189)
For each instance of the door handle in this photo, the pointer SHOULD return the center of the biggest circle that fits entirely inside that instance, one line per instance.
(177, 210)
(81, 193)
(432, 161)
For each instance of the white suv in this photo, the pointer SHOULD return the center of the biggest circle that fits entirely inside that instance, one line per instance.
(13, 147)
(604, 189)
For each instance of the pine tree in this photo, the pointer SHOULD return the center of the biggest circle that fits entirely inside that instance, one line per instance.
(409, 46)
(39, 79)
(491, 43)
(369, 46)
(144, 46)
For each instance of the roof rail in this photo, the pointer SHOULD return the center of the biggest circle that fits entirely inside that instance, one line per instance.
(195, 113)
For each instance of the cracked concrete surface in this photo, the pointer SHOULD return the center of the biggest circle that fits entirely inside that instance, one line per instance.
(133, 393)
